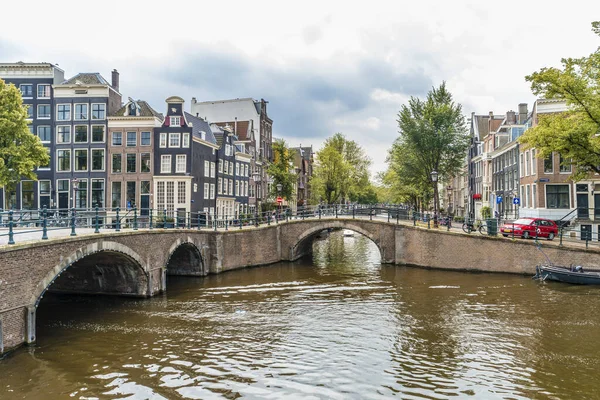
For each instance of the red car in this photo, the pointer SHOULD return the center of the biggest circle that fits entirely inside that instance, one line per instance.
(528, 227)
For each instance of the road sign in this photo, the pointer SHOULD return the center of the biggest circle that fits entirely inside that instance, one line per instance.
(499, 199)
(279, 200)
(516, 201)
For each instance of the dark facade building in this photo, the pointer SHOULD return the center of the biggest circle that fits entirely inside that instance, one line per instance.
(81, 107)
(35, 81)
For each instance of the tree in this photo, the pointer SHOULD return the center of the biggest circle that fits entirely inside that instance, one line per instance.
(21, 152)
(281, 171)
(341, 172)
(432, 138)
(575, 134)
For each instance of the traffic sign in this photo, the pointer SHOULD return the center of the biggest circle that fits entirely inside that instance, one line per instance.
(516, 201)
(499, 199)
(280, 200)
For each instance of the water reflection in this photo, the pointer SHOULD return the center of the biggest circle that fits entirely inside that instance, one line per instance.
(338, 325)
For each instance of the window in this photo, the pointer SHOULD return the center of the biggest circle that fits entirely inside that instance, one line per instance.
(180, 163)
(131, 139)
(185, 142)
(117, 138)
(145, 139)
(81, 159)
(533, 162)
(231, 168)
(163, 139)
(206, 191)
(97, 133)
(81, 134)
(206, 168)
(527, 163)
(212, 190)
(237, 169)
(44, 187)
(98, 193)
(43, 91)
(533, 193)
(212, 169)
(26, 90)
(145, 162)
(557, 196)
(97, 159)
(548, 167)
(44, 133)
(174, 139)
(175, 121)
(27, 197)
(81, 194)
(117, 164)
(145, 187)
(160, 195)
(165, 164)
(63, 160)
(527, 197)
(63, 112)
(170, 195)
(81, 112)
(181, 192)
(565, 164)
(220, 166)
(220, 185)
(130, 199)
(237, 188)
(230, 187)
(116, 194)
(99, 111)
(43, 111)
(225, 166)
(131, 163)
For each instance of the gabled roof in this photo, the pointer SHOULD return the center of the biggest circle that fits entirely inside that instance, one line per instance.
(86, 78)
(144, 110)
(198, 126)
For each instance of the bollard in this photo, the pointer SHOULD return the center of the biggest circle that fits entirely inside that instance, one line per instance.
(586, 241)
(414, 219)
(135, 227)
(150, 216)
(73, 222)
(241, 221)
(44, 224)
(336, 211)
(560, 236)
(226, 222)
(448, 224)
(353, 212)
(97, 230)
(388, 216)
(255, 219)
(165, 218)
(268, 220)
(513, 231)
(319, 212)
(397, 217)
(371, 213)
(118, 222)
(428, 223)
(11, 239)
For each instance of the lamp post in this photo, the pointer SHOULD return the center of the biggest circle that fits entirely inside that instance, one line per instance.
(256, 178)
(75, 184)
(450, 202)
(434, 178)
(279, 200)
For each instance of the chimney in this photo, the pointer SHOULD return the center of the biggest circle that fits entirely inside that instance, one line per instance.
(194, 100)
(115, 80)
(511, 118)
(522, 113)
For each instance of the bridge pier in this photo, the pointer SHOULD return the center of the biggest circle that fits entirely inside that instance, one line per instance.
(30, 323)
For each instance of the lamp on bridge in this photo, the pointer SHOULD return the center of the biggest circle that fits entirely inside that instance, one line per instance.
(449, 191)
(434, 178)
(75, 184)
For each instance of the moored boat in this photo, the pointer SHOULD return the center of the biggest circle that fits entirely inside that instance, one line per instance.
(573, 274)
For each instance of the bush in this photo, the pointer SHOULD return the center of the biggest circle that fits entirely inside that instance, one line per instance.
(458, 219)
(486, 212)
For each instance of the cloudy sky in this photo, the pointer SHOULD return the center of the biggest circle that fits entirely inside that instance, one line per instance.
(324, 66)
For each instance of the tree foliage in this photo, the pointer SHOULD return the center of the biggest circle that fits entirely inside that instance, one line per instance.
(432, 137)
(341, 172)
(281, 170)
(575, 134)
(21, 152)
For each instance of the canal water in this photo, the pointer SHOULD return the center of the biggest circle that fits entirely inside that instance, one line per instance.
(337, 325)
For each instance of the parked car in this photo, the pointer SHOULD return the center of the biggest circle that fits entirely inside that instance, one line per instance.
(530, 227)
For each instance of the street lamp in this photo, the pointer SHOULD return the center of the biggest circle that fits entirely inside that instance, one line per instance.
(75, 183)
(434, 178)
(450, 202)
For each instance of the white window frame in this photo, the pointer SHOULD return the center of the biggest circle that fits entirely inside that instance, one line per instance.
(70, 160)
(87, 116)
(57, 136)
(87, 138)
(112, 141)
(163, 158)
(112, 165)
(206, 191)
(26, 84)
(87, 157)
(178, 159)
(206, 168)
(173, 135)
(220, 186)
(212, 191)
(212, 169)
(185, 139)
(175, 121)
(220, 166)
(38, 132)
(65, 105)
(92, 150)
(37, 91)
(103, 133)
(92, 111)
(149, 144)
(127, 139)
(38, 111)
(164, 138)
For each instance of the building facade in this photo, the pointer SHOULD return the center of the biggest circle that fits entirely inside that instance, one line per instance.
(131, 156)
(35, 81)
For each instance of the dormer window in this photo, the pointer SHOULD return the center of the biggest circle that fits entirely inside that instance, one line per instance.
(175, 121)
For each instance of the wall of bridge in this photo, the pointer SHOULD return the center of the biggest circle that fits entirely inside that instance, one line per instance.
(142, 260)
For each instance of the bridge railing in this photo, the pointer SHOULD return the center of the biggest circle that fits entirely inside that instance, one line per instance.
(27, 225)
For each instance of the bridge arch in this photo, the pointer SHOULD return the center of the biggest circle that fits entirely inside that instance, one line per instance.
(185, 259)
(304, 240)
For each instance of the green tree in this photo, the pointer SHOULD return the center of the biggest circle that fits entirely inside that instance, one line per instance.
(341, 171)
(432, 138)
(21, 152)
(575, 134)
(281, 171)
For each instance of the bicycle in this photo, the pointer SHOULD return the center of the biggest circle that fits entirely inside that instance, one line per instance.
(468, 226)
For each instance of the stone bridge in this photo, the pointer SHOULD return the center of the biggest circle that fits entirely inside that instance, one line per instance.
(136, 263)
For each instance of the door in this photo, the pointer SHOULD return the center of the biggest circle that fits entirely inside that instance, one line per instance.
(63, 201)
(586, 232)
(583, 210)
(181, 214)
(597, 205)
(144, 204)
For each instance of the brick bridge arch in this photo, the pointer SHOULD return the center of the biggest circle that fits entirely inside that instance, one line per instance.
(185, 258)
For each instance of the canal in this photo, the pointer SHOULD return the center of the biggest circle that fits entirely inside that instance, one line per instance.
(337, 325)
